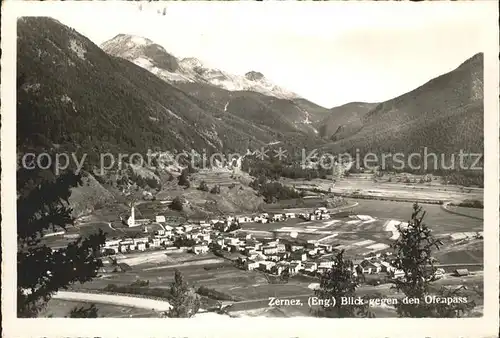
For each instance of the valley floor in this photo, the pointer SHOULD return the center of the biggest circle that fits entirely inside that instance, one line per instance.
(366, 228)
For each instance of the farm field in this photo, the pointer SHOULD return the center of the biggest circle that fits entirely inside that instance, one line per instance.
(204, 270)
(360, 236)
(433, 190)
(437, 218)
(467, 252)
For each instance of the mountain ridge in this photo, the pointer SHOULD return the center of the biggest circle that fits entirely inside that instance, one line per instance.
(191, 69)
(251, 97)
(445, 114)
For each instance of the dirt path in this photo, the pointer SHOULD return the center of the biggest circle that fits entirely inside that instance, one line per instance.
(129, 301)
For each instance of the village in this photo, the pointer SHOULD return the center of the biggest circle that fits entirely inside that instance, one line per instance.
(271, 255)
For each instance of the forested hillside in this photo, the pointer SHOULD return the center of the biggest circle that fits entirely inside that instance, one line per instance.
(445, 115)
(74, 95)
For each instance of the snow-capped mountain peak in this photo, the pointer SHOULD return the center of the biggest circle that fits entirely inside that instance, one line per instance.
(141, 51)
(254, 76)
(191, 63)
(153, 57)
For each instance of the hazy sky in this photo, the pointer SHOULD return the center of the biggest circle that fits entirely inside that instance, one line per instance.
(329, 52)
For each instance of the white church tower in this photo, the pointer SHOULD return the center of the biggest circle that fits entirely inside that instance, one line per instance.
(131, 219)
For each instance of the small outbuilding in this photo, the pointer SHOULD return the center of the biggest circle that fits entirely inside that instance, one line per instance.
(461, 272)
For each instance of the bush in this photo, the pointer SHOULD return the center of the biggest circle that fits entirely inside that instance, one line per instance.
(215, 190)
(465, 178)
(233, 227)
(140, 283)
(177, 204)
(203, 186)
(214, 294)
(471, 204)
(111, 287)
(143, 291)
(274, 191)
(184, 242)
(183, 178)
(218, 253)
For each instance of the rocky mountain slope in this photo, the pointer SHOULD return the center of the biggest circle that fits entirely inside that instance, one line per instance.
(251, 96)
(157, 60)
(445, 115)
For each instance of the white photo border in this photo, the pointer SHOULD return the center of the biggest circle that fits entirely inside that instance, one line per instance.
(486, 326)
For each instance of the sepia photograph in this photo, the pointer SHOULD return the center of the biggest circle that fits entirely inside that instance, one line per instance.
(225, 161)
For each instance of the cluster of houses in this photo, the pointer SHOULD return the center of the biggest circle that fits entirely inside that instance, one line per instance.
(312, 258)
(321, 213)
(261, 218)
(202, 234)
(270, 255)
(382, 263)
(164, 237)
(275, 256)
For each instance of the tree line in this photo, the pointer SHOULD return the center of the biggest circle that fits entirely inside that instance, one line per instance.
(274, 169)
(274, 191)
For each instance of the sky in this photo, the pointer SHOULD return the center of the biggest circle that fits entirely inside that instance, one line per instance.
(328, 52)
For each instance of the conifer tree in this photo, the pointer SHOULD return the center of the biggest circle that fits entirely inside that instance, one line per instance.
(413, 250)
(43, 205)
(340, 283)
(185, 302)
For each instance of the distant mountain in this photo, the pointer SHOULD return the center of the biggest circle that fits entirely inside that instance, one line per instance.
(251, 97)
(157, 60)
(135, 48)
(445, 115)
